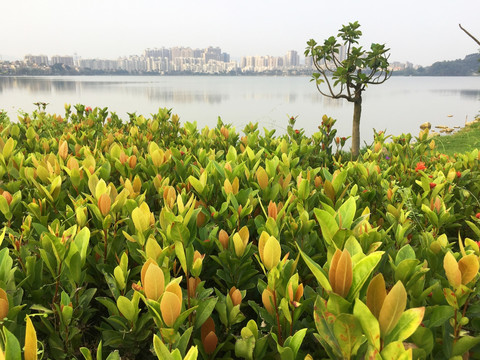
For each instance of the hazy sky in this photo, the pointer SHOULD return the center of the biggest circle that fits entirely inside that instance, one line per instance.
(421, 31)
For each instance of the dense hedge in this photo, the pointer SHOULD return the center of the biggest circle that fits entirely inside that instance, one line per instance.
(151, 238)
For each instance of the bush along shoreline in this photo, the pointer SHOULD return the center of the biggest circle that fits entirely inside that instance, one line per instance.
(151, 239)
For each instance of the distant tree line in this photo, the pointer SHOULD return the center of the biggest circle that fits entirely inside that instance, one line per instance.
(461, 67)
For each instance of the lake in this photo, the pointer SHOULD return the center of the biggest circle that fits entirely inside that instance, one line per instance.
(399, 105)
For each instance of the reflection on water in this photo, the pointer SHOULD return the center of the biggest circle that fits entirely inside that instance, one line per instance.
(399, 105)
(154, 91)
(467, 93)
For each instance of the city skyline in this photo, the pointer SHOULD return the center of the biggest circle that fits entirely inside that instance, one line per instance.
(419, 32)
(211, 60)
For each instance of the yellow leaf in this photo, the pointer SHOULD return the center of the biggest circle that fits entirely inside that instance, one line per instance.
(227, 186)
(235, 186)
(238, 244)
(104, 204)
(63, 149)
(154, 282)
(333, 268)
(223, 238)
(268, 301)
(30, 352)
(271, 253)
(452, 271)
(344, 274)
(173, 287)
(244, 234)
(152, 248)
(468, 266)
(376, 294)
(170, 307)
(393, 307)
(3, 304)
(262, 178)
(141, 217)
(261, 243)
(157, 157)
(329, 190)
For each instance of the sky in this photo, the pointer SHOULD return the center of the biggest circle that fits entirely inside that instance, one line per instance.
(421, 31)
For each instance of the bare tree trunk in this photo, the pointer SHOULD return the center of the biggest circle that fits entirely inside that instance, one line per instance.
(357, 112)
(466, 32)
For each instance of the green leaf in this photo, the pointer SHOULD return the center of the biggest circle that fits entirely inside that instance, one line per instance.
(12, 346)
(324, 324)
(404, 253)
(393, 351)
(285, 352)
(182, 343)
(126, 308)
(362, 271)
(192, 353)
(339, 180)
(204, 310)
(369, 323)
(327, 223)
(294, 342)
(423, 338)
(349, 334)
(86, 353)
(75, 267)
(4, 208)
(197, 185)
(8, 148)
(317, 271)
(464, 344)
(81, 240)
(406, 326)
(244, 348)
(180, 252)
(180, 233)
(347, 213)
(439, 315)
(160, 349)
(114, 356)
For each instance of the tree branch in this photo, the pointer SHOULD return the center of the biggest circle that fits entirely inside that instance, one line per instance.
(466, 32)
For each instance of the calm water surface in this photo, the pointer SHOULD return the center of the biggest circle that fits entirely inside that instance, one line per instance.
(399, 105)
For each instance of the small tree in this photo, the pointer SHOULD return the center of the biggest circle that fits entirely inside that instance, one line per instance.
(351, 73)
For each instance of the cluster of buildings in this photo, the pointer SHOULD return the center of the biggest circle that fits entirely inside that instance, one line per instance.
(175, 60)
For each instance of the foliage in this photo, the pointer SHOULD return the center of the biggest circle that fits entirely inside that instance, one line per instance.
(351, 73)
(461, 67)
(153, 239)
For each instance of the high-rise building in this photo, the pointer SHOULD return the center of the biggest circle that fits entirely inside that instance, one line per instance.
(292, 58)
(35, 59)
(66, 60)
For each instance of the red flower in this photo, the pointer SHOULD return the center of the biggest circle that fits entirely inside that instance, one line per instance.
(477, 215)
(297, 132)
(459, 174)
(88, 109)
(432, 185)
(420, 166)
(182, 153)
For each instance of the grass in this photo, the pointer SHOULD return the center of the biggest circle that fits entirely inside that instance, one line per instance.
(467, 139)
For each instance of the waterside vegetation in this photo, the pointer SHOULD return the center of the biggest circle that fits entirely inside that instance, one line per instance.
(152, 239)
